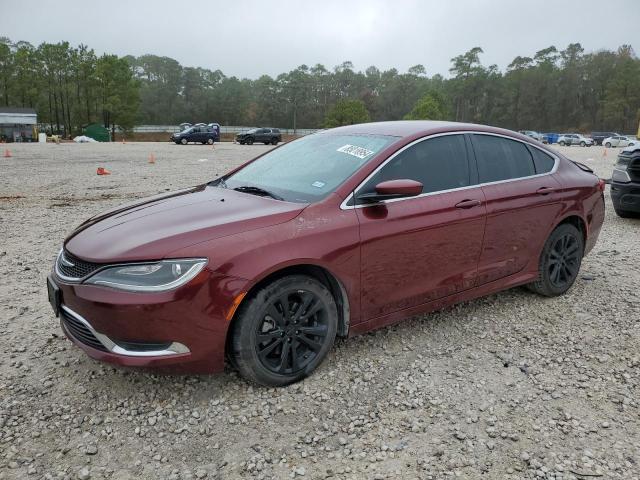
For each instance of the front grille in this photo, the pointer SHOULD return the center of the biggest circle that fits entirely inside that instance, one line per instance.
(80, 332)
(71, 266)
(634, 170)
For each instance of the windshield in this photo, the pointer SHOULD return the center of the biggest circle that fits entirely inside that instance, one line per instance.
(308, 169)
(253, 130)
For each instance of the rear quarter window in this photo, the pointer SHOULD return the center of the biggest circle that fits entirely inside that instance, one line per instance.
(543, 162)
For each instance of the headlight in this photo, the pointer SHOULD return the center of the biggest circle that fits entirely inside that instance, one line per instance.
(620, 176)
(149, 277)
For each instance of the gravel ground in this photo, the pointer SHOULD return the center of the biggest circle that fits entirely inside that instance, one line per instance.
(509, 386)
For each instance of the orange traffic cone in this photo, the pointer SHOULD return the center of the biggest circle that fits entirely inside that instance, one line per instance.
(7, 153)
(103, 171)
(152, 158)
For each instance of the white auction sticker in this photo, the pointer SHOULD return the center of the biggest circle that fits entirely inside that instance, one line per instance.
(355, 151)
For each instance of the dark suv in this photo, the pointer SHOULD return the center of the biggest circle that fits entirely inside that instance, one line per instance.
(598, 137)
(261, 135)
(625, 183)
(197, 134)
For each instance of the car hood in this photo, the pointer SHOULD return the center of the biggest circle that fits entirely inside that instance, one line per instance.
(150, 229)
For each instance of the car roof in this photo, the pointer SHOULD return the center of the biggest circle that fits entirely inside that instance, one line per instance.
(410, 128)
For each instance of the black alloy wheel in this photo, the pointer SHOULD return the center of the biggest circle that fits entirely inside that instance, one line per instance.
(564, 260)
(560, 261)
(284, 331)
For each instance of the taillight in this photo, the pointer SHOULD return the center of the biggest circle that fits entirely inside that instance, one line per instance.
(601, 184)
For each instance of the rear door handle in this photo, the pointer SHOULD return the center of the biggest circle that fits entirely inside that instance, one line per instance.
(468, 203)
(545, 190)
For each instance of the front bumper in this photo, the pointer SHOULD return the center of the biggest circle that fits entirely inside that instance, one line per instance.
(626, 196)
(182, 330)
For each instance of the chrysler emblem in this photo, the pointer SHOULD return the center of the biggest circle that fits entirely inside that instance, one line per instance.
(65, 262)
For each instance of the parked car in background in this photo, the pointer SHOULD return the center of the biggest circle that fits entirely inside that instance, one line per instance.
(574, 139)
(269, 263)
(259, 135)
(535, 135)
(199, 133)
(598, 137)
(625, 182)
(551, 137)
(618, 141)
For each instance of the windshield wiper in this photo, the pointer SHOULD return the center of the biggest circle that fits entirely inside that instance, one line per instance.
(257, 191)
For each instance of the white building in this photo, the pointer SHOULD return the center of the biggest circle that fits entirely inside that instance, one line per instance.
(18, 124)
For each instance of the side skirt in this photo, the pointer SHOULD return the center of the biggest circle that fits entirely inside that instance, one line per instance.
(465, 296)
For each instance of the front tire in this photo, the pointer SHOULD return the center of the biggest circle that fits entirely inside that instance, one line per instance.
(608, 144)
(559, 262)
(184, 141)
(274, 141)
(284, 331)
(249, 141)
(583, 144)
(210, 141)
(561, 143)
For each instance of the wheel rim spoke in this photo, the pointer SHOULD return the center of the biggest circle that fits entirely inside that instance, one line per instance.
(312, 344)
(304, 306)
(316, 330)
(269, 348)
(266, 336)
(284, 357)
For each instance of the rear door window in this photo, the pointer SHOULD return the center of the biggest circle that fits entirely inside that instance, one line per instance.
(500, 158)
(439, 163)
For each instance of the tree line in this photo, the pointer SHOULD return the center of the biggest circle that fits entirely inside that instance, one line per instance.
(554, 90)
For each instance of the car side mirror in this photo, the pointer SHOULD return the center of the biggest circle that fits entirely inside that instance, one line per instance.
(392, 189)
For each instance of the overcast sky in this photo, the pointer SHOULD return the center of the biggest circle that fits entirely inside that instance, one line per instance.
(250, 38)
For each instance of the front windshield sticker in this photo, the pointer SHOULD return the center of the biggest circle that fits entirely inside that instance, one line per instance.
(355, 151)
(318, 184)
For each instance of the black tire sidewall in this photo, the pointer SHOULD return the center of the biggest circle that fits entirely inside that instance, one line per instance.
(243, 340)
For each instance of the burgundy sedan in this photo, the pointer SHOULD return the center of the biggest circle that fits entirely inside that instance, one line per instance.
(336, 233)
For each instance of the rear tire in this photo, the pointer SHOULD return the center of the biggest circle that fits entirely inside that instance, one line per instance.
(184, 141)
(608, 144)
(284, 331)
(559, 262)
(583, 144)
(626, 213)
(274, 141)
(210, 141)
(561, 143)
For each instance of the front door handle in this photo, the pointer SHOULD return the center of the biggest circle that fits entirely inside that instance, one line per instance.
(545, 190)
(468, 203)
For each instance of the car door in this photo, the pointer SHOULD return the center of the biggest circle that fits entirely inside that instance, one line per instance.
(522, 203)
(418, 249)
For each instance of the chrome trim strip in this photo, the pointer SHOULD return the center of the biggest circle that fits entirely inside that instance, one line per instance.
(344, 206)
(175, 348)
(59, 274)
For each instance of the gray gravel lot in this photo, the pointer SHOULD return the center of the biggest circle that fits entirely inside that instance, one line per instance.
(509, 386)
